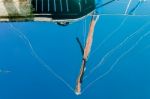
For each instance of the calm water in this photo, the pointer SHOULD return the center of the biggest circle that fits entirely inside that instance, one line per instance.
(35, 57)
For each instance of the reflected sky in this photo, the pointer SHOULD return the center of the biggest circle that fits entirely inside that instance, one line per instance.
(119, 40)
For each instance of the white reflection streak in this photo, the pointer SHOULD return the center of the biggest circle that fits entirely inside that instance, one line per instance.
(116, 62)
(108, 37)
(35, 55)
(115, 48)
(126, 11)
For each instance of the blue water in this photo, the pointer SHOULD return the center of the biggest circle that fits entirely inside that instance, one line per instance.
(27, 71)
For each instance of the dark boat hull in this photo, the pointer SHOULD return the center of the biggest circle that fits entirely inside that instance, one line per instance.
(45, 10)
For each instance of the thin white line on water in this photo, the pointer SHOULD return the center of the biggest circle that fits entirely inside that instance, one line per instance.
(128, 5)
(116, 62)
(99, 46)
(38, 58)
(105, 39)
(115, 48)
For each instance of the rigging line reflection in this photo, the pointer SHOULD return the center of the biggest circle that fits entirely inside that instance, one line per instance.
(110, 35)
(38, 58)
(128, 5)
(115, 48)
(116, 62)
